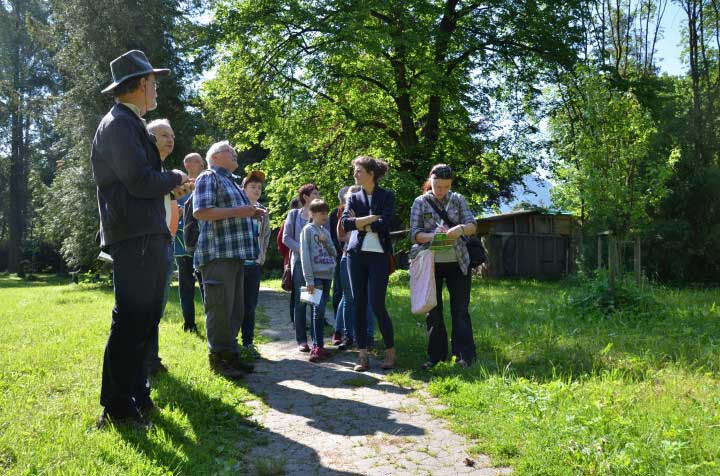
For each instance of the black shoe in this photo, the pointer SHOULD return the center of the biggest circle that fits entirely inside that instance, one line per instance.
(157, 369)
(429, 365)
(252, 351)
(192, 328)
(133, 420)
(147, 408)
(346, 343)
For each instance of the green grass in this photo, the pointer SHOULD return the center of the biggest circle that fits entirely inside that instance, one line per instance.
(51, 346)
(558, 391)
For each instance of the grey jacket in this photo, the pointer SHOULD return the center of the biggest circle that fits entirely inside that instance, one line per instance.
(317, 257)
(263, 236)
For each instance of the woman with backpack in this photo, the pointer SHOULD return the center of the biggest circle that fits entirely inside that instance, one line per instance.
(439, 210)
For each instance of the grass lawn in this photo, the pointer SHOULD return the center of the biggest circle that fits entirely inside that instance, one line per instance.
(51, 343)
(562, 391)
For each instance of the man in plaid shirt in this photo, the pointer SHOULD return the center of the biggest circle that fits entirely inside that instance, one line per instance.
(226, 240)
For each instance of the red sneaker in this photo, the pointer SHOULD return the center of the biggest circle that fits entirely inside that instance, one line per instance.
(315, 354)
(336, 338)
(303, 347)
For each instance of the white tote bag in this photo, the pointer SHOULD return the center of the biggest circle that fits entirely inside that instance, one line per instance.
(422, 282)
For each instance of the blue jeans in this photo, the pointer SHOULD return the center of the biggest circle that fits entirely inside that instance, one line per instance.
(300, 308)
(318, 313)
(369, 274)
(139, 279)
(253, 273)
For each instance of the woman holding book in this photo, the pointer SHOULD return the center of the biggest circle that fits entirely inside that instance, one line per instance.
(439, 219)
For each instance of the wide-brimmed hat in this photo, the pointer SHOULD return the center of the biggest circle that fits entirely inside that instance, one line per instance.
(131, 64)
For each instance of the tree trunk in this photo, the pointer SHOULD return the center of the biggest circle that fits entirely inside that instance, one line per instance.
(18, 173)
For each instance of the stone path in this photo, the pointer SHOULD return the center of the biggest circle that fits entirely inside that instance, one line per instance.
(325, 419)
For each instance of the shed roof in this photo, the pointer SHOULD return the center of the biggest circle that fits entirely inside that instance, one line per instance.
(515, 213)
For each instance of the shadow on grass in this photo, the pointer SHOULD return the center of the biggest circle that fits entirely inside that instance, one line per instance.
(527, 329)
(222, 435)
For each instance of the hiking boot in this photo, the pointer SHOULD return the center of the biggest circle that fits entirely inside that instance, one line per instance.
(336, 338)
(221, 364)
(238, 363)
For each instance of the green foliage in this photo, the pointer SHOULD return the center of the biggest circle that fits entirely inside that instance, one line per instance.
(593, 293)
(562, 390)
(318, 83)
(605, 171)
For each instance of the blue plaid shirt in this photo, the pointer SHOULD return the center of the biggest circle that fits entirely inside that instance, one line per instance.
(424, 219)
(231, 238)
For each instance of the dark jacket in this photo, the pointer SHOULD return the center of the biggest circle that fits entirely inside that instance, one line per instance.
(334, 218)
(191, 229)
(383, 204)
(130, 184)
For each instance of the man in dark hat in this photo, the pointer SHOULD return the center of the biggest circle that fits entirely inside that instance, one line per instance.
(130, 189)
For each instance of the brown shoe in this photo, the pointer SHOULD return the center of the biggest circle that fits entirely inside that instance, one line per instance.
(363, 361)
(237, 363)
(389, 361)
(221, 365)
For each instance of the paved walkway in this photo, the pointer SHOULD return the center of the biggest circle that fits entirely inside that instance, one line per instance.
(325, 419)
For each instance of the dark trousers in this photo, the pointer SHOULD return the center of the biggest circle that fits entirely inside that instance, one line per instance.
(337, 290)
(139, 277)
(186, 287)
(463, 344)
(369, 274)
(153, 360)
(253, 274)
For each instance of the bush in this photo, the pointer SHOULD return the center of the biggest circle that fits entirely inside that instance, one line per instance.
(592, 291)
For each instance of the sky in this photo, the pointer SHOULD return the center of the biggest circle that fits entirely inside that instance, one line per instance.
(669, 51)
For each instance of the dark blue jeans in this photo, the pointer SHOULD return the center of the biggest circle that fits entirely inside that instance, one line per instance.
(139, 279)
(345, 316)
(337, 290)
(186, 287)
(463, 344)
(300, 309)
(369, 274)
(317, 324)
(253, 274)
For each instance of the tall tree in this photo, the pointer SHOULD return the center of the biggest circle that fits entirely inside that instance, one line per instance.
(26, 81)
(88, 35)
(414, 81)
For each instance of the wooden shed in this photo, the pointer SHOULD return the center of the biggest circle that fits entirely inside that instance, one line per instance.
(528, 244)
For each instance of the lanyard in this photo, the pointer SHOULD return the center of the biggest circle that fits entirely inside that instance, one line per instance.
(367, 201)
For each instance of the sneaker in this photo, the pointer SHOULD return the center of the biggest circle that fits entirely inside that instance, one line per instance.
(304, 347)
(315, 354)
(336, 338)
(346, 343)
(252, 351)
(324, 353)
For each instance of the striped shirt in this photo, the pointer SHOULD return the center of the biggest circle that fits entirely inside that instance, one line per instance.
(230, 238)
(424, 219)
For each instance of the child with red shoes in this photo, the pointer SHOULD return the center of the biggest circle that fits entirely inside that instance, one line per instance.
(317, 257)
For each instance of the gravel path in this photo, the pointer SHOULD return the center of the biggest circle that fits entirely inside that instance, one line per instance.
(326, 419)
